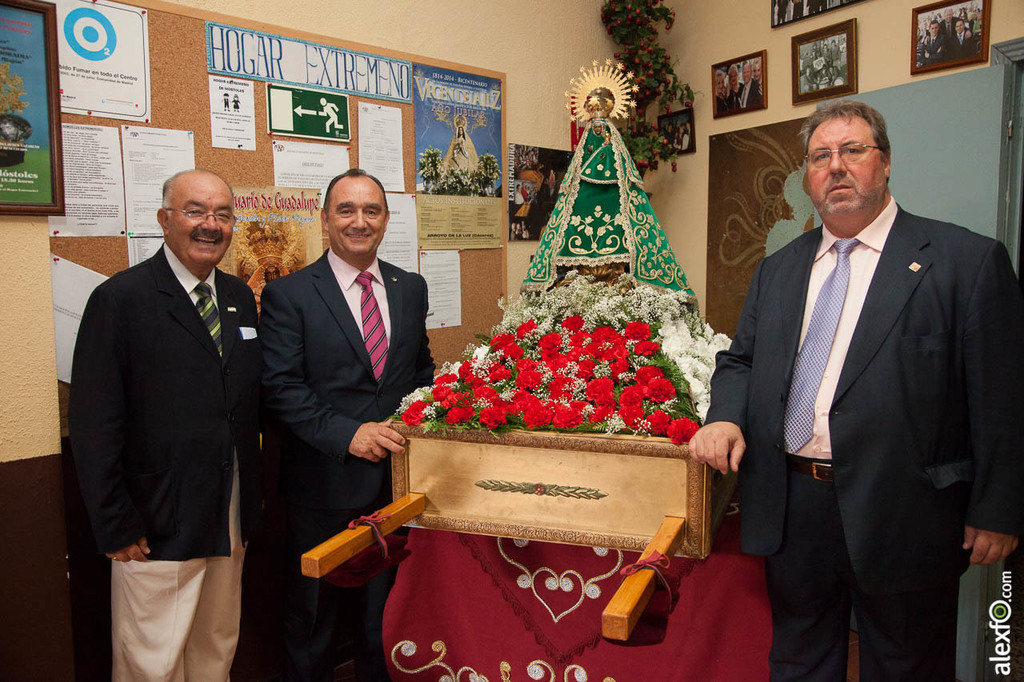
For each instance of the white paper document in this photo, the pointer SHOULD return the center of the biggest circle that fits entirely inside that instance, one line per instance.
(443, 272)
(72, 285)
(306, 164)
(380, 144)
(151, 155)
(93, 183)
(103, 51)
(399, 244)
(142, 246)
(232, 114)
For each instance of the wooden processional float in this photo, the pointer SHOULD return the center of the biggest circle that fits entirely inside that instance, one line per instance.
(629, 493)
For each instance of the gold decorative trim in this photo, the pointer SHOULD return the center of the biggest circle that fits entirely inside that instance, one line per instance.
(575, 492)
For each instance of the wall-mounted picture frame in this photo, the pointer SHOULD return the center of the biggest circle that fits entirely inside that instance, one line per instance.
(31, 174)
(825, 62)
(677, 127)
(787, 11)
(946, 34)
(740, 84)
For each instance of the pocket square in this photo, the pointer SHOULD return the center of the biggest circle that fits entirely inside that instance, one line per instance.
(247, 333)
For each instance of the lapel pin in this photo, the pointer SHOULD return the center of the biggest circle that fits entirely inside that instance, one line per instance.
(394, 279)
(233, 309)
(915, 266)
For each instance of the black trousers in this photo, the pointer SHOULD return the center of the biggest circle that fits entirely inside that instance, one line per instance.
(315, 610)
(907, 636)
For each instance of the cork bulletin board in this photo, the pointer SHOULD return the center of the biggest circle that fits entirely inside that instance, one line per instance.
(180, 100)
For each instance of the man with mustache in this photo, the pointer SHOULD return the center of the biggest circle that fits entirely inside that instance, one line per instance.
(344, 340)
(164, 423)
(871, 402)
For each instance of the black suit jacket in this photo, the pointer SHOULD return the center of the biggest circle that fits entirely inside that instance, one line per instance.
(318, 381)
(156, 414)
(926, 424)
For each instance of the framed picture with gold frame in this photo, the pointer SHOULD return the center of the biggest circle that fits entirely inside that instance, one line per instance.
(825, 63)
(948, 34)
(31, 175)
(740, 84)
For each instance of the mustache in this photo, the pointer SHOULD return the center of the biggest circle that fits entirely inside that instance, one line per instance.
(199, 231)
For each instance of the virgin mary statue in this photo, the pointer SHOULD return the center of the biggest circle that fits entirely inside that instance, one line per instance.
(602, 223)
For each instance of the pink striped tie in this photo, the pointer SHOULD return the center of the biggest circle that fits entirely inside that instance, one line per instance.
(373, 325)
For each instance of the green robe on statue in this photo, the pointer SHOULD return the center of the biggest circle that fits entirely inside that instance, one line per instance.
(602, 215)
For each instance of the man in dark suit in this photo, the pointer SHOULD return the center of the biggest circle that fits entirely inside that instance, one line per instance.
(164, 427)
(333, 378)
(961, 44)
(885, 455)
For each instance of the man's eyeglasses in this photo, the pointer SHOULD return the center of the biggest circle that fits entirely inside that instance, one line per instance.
(850, 154)
(194, 215)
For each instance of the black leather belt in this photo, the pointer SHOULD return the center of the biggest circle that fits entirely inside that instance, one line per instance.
(820, 470)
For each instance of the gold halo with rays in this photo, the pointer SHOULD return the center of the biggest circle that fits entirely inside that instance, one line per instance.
(610, 76)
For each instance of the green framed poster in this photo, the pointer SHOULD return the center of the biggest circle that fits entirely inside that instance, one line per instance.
(31, 175)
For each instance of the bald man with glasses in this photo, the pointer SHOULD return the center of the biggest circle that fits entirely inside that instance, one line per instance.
(164, 424)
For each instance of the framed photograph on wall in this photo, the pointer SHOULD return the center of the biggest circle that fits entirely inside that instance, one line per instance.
(825, 62)
(788, 11)
(677, 128)
(948, 34)
(740, 85)
(31, 175)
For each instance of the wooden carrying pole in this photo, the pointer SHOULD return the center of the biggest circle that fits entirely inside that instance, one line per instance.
(325, 557)
(629, 601)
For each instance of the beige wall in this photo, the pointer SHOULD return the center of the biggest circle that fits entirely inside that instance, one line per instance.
(29, 424)
(709, 32)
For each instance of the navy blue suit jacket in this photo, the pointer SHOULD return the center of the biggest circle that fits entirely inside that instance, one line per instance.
(319, 384)
(926, 425)
(156, 415)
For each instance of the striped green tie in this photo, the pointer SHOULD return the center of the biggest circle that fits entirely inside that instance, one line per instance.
(208, 311)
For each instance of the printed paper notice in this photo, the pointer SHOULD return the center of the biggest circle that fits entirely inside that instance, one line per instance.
(93, 184)
(232, 114)
(151, 155)
(442, 270)
(380, 144)
(399, 244)
(104, 59)
(72, 285)
(142, 246)
(452, 222)
(305, 164)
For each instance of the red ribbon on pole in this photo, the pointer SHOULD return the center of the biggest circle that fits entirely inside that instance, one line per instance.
(656, 562)
(374, 521)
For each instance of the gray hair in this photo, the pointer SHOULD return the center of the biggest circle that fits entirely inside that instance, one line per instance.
(847, 109)
(170, 182)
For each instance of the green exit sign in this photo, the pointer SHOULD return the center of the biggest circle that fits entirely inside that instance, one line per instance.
(300, 112)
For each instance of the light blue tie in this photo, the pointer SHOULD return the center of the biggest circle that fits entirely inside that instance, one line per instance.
(813, 356)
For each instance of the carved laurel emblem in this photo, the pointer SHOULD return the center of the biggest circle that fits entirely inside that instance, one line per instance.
(545, 489)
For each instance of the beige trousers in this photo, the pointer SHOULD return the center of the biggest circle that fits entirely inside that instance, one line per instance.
(177, 621)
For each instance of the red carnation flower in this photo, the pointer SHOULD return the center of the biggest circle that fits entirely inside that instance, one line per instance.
(537, 416)
(525, 328)
(566, 417)
(559, 388)
(601, 413)
(585, 369)
(550, 342)
(499, 373)
(632, 396)
(486, 393)
(681, 430)
(526, 365)
(631, 414)
(618, 367)
(446, 379)
(646, 348)
(573, 324)
(638, 331)
(493, 417)
(465, 369)
(579, 339)
(440, 393)
(659, 422)
(648, 373)
(512, 351)
(502, 340)
(600, 391)
(457, 415)
(529, 380)
(660, 390)
(414, 415)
